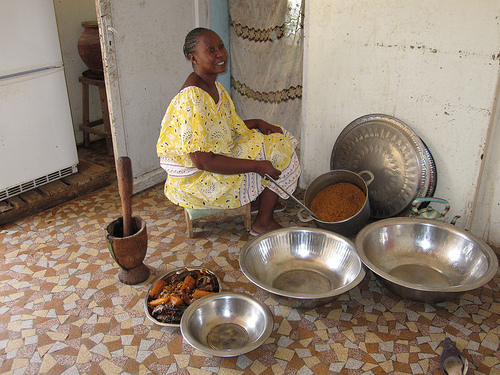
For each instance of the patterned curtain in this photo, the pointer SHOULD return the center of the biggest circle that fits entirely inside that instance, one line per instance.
(266, 60)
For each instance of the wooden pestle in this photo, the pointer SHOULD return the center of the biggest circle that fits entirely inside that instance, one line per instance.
(125, 186)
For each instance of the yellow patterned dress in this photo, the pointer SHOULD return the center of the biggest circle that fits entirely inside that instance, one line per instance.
(194, 122)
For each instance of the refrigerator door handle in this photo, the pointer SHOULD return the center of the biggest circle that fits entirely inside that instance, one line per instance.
(13, 78)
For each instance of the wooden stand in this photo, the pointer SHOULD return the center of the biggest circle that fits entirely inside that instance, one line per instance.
(88, 126)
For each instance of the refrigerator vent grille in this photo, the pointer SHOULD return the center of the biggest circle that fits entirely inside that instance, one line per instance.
(28, 185)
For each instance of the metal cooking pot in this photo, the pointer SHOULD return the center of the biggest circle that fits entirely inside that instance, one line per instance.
(351, 226)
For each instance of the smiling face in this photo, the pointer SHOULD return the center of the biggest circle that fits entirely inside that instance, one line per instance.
(210, 54)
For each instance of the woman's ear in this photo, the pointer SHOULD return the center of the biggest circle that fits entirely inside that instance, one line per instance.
(192, 58)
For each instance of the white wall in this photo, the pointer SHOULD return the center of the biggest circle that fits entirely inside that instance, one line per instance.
(432, 64)
(70, 14)
(486, 223)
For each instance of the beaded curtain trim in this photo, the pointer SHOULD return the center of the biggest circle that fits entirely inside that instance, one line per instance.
(291, 93)
(258, 35)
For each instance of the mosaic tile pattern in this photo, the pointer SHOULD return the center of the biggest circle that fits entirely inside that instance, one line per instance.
(63, 310)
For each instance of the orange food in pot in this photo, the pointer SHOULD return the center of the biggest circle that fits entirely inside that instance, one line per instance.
(338, 202)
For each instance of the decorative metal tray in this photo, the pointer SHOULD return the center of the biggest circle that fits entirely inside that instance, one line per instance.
(432, 175)
(397, 157)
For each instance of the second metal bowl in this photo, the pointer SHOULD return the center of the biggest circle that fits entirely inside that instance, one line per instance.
(426, 260)
(302, 267)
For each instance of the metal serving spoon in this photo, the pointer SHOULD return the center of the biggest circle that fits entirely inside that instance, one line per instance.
(267, 177)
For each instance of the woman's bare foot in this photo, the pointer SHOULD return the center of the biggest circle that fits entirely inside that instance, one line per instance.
(260, 227)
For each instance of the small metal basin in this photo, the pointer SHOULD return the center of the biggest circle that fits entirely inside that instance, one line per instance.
(227, 324)
(302, 267)
(425, 260)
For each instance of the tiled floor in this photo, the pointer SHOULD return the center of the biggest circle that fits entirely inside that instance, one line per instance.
(63, 310)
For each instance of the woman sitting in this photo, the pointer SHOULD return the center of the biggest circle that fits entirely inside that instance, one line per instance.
(214, 159)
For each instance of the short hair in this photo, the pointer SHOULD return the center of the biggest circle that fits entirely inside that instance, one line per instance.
(192, 39)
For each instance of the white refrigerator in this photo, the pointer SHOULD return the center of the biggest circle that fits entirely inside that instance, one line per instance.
(37, 143)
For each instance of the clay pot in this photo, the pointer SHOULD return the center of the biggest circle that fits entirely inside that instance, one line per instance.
(89, 48)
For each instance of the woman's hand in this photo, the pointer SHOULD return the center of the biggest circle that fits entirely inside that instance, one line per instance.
(266, 167)
(263, 126)
(267, 128)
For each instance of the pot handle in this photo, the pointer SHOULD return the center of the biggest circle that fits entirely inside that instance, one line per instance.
(302, 218)
(416, 201)
(370, 175)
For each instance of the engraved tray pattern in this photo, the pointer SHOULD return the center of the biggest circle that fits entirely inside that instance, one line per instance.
(432, 175)
(395, 155)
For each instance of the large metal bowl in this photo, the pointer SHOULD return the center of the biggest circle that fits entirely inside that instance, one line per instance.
(302, 267)
(227, 324)
(425, 260)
